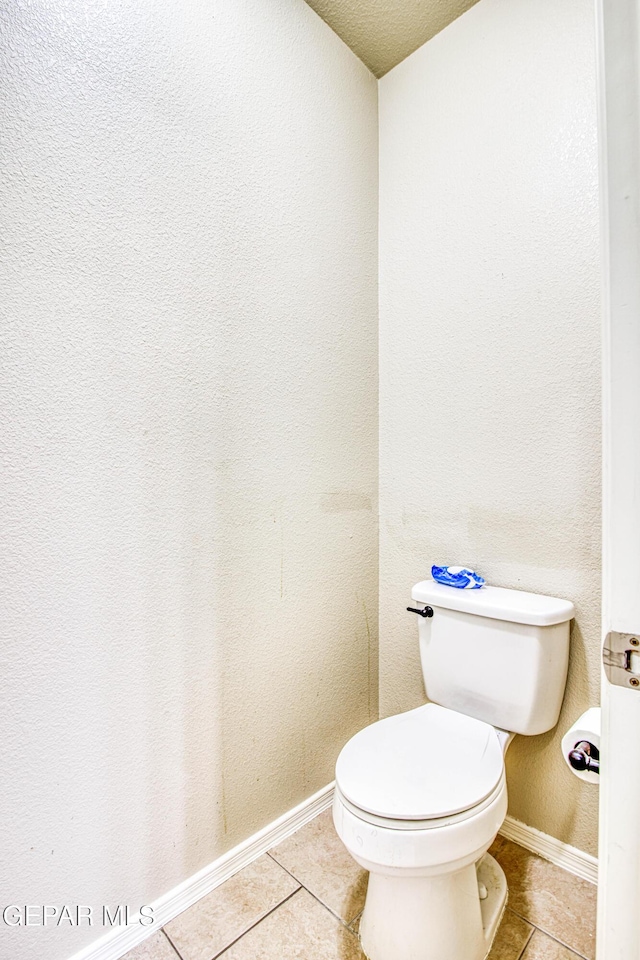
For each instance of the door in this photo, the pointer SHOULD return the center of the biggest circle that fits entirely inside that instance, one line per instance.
(618, 935)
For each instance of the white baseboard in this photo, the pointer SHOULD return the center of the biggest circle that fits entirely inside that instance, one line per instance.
(119, 941)
(562, 854)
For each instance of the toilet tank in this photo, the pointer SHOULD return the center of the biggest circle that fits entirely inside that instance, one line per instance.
(495, 654)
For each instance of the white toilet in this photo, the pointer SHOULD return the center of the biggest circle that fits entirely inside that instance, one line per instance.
(421, 796)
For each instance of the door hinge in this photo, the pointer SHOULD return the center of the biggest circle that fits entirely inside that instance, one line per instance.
(621, 659)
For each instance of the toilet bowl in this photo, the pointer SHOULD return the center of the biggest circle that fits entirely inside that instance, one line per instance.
(421, 836)
(420, 796)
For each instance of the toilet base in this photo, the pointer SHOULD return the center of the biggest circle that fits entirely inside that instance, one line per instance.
(433, 918)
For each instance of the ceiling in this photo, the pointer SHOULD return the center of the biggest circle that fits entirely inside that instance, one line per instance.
(384, 32)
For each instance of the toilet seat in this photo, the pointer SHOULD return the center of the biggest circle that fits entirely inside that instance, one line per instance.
(431, 763)
(419, 849)
(432, 824)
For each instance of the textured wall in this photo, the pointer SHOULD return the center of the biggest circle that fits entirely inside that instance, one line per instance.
(489, 346)
(189, 436)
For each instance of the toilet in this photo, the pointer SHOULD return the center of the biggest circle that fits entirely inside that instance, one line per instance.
(420, 796)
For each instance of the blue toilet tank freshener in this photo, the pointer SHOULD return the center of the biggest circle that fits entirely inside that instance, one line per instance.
(460, 577)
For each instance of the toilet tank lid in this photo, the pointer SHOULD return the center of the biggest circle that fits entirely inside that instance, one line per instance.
(496, 602)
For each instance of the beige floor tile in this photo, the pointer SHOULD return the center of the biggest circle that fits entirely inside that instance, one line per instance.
(211, 924)
(156, 947)
(300, 929)
(511, 938)
(318, 859)
(496, 845)
(550, 898)
(542, 947)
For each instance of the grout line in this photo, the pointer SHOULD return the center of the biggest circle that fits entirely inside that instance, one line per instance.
(528, 940)
(344, 923)
(292, 875)
(178, 954)
(546, 934)
(228, 946)
(524, 949)
(241, 935)
(334, 915)
(575, 953)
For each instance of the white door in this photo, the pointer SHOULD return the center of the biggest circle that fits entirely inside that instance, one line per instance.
(619, 102)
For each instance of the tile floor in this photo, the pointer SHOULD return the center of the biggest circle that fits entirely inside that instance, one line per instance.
(302, 901)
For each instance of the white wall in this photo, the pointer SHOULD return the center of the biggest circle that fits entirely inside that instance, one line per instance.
(189, 436)
(489, 346)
